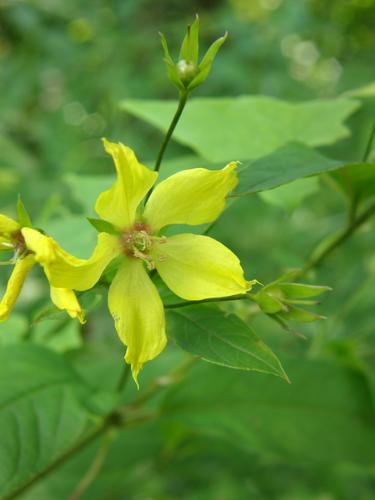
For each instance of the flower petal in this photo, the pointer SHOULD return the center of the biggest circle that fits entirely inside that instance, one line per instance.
(118, 205)
(138, 313)
(8, 225)
(195, 196)
(65, 299)
(197, 267)
(63, 270)
(15, 284)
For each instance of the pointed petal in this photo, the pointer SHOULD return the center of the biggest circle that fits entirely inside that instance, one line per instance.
(66, 300)
(14, 285)
(8, 225)
(197, 267)
(63, 270)
(138, 313)
(118, 205)
(195, 196)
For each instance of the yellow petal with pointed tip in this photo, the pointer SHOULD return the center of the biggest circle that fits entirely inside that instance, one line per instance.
(138, 313)
(197, 267)
(195, 196)
(15, 284)
(119, 204)
(63, 270)
(8, 225)
(66, 300)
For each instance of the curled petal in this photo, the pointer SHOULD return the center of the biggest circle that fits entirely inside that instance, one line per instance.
(138, 313)
(15, 284)
(197, 267)
(8, 225)
(66, 300)
(63, 270)
(195, 196)
(119, 204)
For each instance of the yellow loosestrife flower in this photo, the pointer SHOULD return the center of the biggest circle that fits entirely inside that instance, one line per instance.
(193, 266)
(12, 238)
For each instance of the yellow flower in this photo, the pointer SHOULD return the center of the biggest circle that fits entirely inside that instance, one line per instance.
(193, 266)
(11, 238)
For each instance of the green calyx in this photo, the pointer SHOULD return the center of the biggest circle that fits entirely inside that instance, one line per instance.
(188, 74)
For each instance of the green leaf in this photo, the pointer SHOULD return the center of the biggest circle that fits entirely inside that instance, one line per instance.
(23, 216)
(221, 338)
(357, 181)
(247, 127)
(288, 163)
(103, 226)
(290, 196)
(42, 413)
(325, 415)
(84, 240)
(13, 330)
(85, 193)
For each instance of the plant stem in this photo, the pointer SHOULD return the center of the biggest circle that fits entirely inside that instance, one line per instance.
(341, 238)
(94, 468)
(123, 378)
(91, 437)
(172, 126)
(369, 144)
(354, 222)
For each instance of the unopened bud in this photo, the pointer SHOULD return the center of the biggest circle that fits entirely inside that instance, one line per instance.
(187, 71)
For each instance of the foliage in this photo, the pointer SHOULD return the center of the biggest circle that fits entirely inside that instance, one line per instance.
(73, 425)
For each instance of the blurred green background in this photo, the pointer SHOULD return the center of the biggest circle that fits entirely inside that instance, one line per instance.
(65, 66)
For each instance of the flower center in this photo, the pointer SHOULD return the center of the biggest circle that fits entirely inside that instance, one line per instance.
(137, 243)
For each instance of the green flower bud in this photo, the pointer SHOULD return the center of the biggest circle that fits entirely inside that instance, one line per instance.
(187, 71)
(188, 74)
(281, 298)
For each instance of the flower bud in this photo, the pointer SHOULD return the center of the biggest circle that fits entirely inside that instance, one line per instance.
(187, 71)
(188, 74)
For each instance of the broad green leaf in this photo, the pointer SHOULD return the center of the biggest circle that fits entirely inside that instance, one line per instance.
(74, 234)
(13, 330)
(43, 413)
(290, 196)
(221, 338)
(364, 91)
(223, 129)
(286, 164)
(85, 189)
(324, 415)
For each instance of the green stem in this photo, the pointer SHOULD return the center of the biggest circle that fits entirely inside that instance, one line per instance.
(123, 378)
(194, 302)
(369, 144)
(113, 421)
(95, 467)
(354, 222)
(341, 238)
(172, 126)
